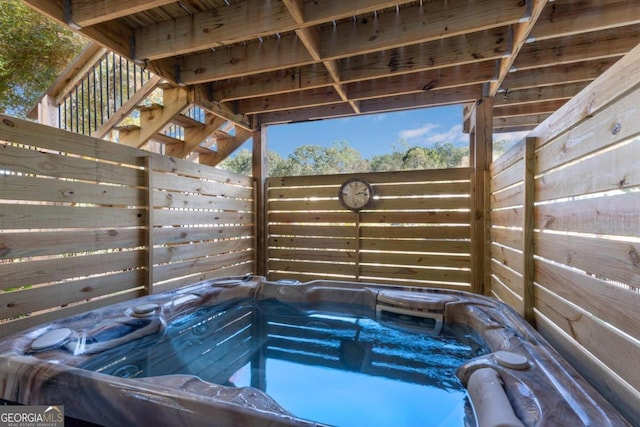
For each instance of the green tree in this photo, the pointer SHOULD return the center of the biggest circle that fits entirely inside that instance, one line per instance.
(242, 162)
(421, 158)
(314, 159)
(450, 155)
(33, 52)
(386, 162)
(341, 158)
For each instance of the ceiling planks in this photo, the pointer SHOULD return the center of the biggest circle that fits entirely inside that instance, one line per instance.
(254, 62)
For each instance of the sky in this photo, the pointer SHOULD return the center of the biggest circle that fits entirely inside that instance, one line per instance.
(377, 134)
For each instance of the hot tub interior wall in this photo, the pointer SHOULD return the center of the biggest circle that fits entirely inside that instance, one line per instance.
(86, 223)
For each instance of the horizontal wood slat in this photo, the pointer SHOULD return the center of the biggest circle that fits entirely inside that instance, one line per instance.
(605, 258)
(585, 222)
(69, 192)
(608, 302)
(607, 344)
(617, 215)
(33, 299)
(41, 243)
(610, 170)
(46, 217)
(74, 216)
(418, 223)
(58, 165)
(29, 273)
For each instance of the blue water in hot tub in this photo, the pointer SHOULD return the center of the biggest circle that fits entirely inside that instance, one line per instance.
(321, 365)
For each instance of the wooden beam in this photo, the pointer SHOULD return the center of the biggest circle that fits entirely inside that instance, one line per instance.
(520, 35)
(309, 37)
(468, 117)
(279, 81)
(237, 61)
(194, 136)
(503, 124)
(201, 98)
(415, 100)
(228, 25)
(259, 157)
(567, 18)
(300, 99)
(287, 53)
(441, 78)
(307, 114)
(154, 120)
(481, 156)
(534, 95)
(545, 107)
(78, 67)
(416, 24)
(459, 50)
(424, 99)
(149, 235)
(85, 13)
(613, 84)
(225, 145)
(114, 36)
(484, 46)
(523, 128)
(126, 108)
(528, 297)
(319, 11)
(73, 73)
(582, 47)
(77, 74)
(558, 74)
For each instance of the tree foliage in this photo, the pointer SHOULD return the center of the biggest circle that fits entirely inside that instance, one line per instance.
(341, 158)
(33, 52)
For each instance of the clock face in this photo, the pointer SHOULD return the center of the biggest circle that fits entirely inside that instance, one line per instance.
(355, 194)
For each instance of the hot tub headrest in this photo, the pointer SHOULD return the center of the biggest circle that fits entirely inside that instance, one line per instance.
(415, 300)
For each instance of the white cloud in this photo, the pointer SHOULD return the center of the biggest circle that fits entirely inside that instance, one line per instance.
(428, 136)
(417, 132)
(453, 135)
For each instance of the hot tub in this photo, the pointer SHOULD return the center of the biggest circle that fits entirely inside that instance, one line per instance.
(246, 351)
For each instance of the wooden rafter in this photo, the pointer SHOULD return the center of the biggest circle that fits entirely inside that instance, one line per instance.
(255, 62)
(567, 18)
(84, 13)
(225, 145)
(520, 34)
(128, 107)
(155, 118)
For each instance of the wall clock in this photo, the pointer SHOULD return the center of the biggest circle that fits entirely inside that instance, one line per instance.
(355, 194)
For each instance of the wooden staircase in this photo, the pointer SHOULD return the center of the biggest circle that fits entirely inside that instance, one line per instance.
(156, 116)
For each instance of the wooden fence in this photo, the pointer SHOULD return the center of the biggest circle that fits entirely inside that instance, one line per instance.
(75, 221)
(416, 232)
(565, 235)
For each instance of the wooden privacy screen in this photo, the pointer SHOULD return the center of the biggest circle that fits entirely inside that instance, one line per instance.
(567, 251)
(74, 219)
(416, 232)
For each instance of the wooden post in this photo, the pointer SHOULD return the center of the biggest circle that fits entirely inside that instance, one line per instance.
(260, 165)
(527, 231)
(480, 155)
(358, 256)
(148, 165)
(48, 111)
